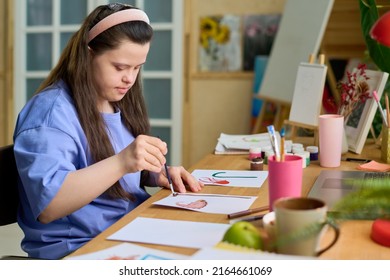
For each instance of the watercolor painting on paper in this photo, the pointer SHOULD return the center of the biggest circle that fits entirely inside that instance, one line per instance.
(231, 178)
(208, 203)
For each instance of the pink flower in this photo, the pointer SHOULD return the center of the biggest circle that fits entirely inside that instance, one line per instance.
(354, 91)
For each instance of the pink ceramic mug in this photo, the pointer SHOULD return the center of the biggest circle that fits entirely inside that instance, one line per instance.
(284, 178)
(331, 129)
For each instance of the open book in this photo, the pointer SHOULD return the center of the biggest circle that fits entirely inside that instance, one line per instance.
(240, 144)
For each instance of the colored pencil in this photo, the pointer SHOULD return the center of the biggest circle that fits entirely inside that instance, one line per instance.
(247, 212)
(282, 135)
(380, 108)
(387, 110)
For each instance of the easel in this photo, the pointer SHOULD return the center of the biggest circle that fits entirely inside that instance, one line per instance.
(281, 116)
(294, 128)
(286, 53)
(320, 84)
(282, 110)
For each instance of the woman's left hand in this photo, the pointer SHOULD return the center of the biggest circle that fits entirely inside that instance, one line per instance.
(181, 180)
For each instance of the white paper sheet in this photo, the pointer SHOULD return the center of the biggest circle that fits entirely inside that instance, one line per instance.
(171, 232)
(218, 204)
(231, 178)
(240, 144)
(245, 142)
(127, 251)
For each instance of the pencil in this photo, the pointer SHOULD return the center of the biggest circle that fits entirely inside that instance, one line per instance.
(387, 109)
(380, 108)
(282, 134)
(249, 219)
(247, 212)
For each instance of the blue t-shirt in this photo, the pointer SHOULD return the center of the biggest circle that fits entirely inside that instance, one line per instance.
(49, 143)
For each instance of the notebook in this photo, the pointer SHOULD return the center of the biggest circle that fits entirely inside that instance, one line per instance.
(331, 185)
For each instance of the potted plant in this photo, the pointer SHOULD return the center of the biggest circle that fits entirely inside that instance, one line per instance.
(371, 200)
(379, 53)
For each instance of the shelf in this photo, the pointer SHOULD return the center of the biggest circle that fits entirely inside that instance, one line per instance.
(222, 75)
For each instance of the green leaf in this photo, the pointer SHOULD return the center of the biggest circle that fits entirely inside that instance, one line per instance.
(370, 201)
(379, 54)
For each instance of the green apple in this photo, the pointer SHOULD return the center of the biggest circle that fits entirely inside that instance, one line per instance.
(245, 234)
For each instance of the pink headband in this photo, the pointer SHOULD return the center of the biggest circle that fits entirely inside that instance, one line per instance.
(115, 19)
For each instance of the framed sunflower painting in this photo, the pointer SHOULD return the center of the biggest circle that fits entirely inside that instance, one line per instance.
(220, 43)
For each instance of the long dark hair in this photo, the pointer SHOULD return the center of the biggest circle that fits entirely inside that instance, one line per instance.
(74, 67)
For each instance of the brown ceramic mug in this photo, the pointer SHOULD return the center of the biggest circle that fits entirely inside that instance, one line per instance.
(299, 224)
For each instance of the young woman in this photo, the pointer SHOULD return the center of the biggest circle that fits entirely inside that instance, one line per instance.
(81, 143)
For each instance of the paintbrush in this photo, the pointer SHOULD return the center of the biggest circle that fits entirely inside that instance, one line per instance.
(169, 180)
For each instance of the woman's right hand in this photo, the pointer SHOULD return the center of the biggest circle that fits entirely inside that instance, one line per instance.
(144, 153)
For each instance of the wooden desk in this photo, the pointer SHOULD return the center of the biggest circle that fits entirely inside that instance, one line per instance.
(354, 241)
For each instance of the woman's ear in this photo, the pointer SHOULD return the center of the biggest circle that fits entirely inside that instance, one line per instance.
(90, 49)
(91, 52)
